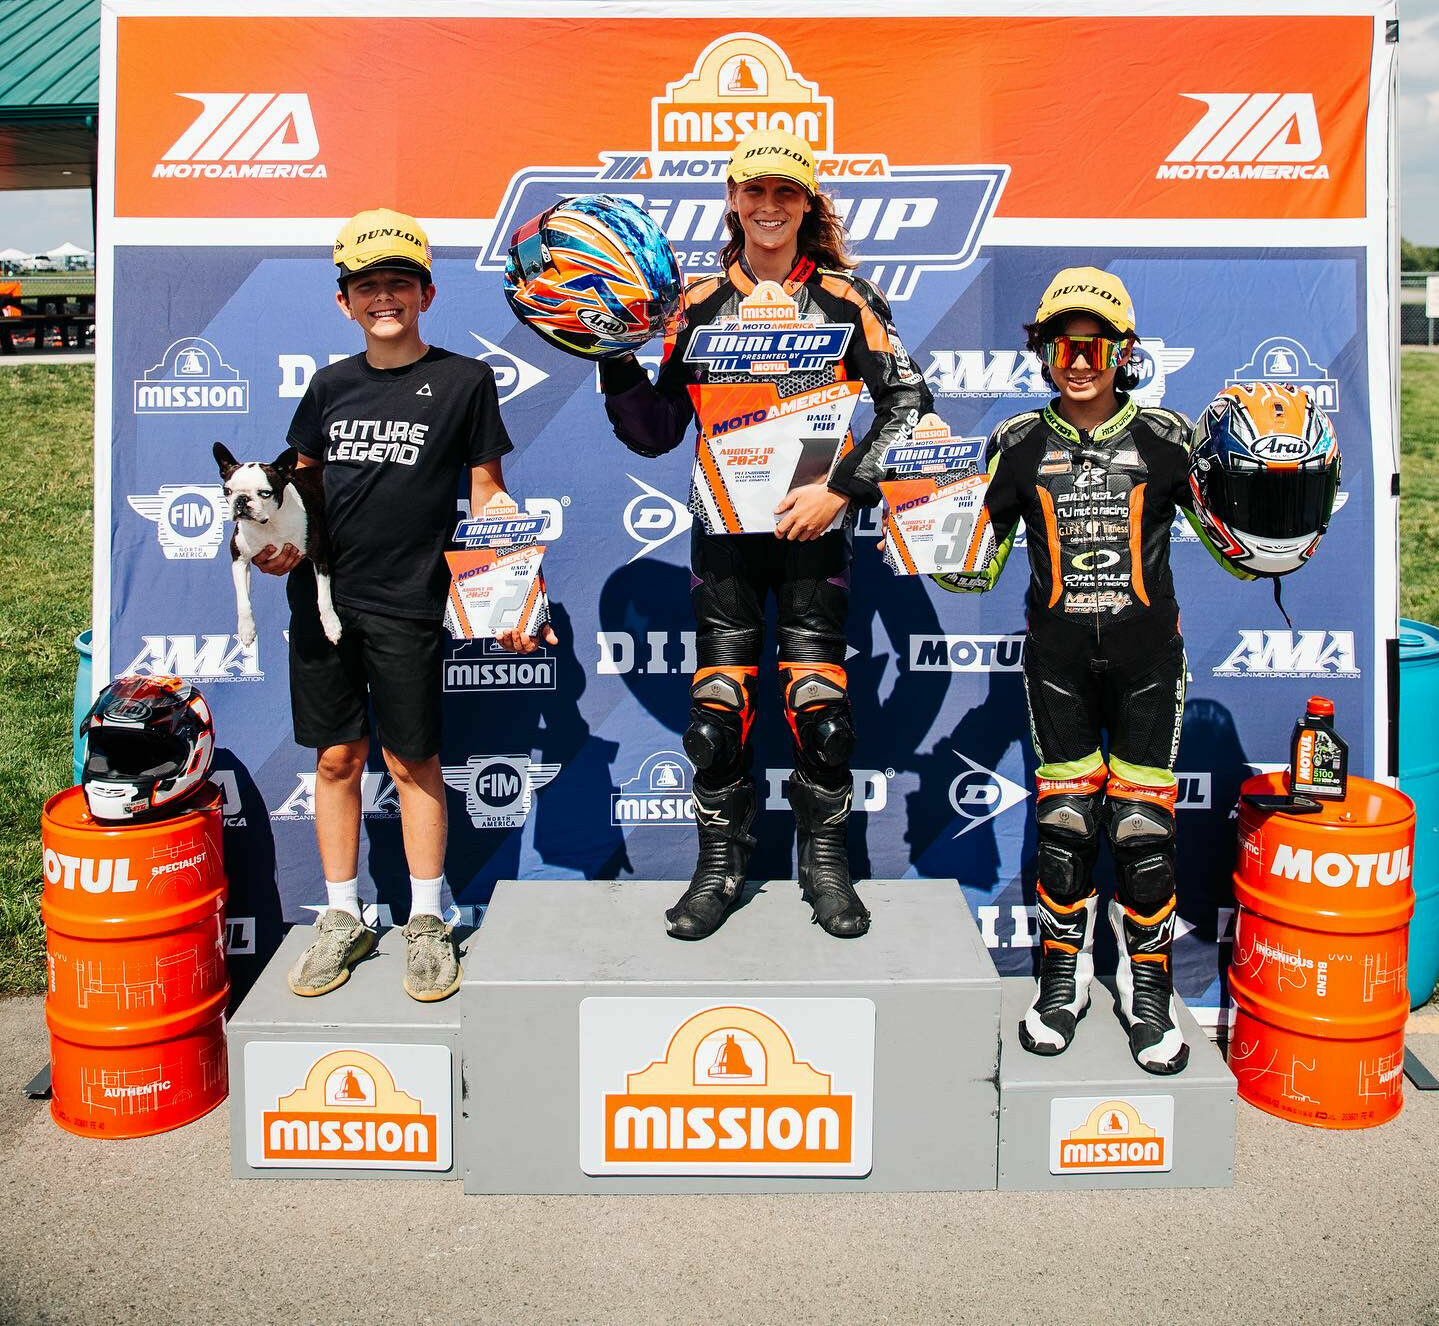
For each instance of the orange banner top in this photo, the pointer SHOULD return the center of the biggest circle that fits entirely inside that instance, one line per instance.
(1202, 117)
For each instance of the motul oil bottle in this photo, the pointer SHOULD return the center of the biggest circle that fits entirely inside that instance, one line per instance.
(1318, 755)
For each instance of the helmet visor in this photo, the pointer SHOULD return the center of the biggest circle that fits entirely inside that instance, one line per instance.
(1271, 503)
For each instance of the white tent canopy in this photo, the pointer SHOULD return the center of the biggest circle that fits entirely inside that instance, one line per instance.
(68, 250)
(14, 255)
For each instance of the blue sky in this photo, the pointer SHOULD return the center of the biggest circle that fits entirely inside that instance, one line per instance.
(41, 220)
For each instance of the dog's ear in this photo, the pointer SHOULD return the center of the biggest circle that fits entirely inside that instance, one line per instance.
(286, 461)
(224, 459)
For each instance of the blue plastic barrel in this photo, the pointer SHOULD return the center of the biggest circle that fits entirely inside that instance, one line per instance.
(1419, 781)
(81, 704)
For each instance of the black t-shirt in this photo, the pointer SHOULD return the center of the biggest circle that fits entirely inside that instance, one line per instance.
(394, 442)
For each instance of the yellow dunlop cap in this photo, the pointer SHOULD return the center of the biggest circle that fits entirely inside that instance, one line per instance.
(1088, 290)
(772, 152)
(381, 238)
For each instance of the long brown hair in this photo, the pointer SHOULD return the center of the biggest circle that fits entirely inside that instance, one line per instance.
(822, 237)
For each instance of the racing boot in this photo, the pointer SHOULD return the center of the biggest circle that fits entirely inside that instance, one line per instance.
(820, 817)
(1066, 967)
(1146, 987)
(723, 818)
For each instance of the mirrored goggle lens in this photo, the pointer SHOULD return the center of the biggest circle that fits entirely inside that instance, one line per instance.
(1099, 352)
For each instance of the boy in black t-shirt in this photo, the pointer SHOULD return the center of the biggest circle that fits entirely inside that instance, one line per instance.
(394, 428)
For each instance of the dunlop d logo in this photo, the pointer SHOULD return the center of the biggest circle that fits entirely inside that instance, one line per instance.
(734, 1091)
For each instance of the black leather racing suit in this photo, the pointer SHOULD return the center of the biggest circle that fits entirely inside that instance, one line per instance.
(1103, 650)
(733, 574)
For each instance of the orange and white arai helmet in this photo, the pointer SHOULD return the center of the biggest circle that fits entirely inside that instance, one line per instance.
(1264, 472)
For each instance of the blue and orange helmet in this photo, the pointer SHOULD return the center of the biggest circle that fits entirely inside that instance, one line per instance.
(1264, 473)
(593, 275)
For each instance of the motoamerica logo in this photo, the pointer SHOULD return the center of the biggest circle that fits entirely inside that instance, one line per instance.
(905, 219)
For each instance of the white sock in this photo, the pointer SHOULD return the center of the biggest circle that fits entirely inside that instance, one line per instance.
(344, 896)
(425, 896)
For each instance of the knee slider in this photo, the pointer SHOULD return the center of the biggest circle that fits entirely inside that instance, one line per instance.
(1142, 834)
(1068, 824)
(816, 703)
(721, 714)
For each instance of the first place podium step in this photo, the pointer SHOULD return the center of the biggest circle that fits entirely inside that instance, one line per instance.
(600, 1055)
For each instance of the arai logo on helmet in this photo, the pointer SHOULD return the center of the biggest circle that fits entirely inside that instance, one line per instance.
(597, 320)
(1280, 448)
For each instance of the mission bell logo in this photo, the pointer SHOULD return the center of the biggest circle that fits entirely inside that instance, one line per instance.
(1098, 1136)
(731, 1091)
(349, 1111)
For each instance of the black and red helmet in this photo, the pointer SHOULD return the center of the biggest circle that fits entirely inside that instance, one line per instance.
(149, 745)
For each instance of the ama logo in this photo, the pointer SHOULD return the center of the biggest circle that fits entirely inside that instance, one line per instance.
(1283, 359)
(200, 658)
(499, 789)
(191, 378)
(659, 794)
(379, 799)
(189, 518)
(1262, 653)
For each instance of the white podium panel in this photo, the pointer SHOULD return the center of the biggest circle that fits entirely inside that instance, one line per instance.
(603, 1056)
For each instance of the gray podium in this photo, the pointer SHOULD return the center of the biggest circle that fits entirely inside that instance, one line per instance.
(602, 1056)
(361, 1082)
(1091, 1118)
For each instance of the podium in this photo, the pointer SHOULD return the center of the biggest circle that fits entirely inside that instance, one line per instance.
(587, 1051)
(1092, 1118)
(603, 1056)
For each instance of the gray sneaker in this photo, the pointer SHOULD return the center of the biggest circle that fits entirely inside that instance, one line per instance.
(340, 942)
(432, 967)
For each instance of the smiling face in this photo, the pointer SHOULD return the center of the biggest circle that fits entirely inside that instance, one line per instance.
(1081, 382)
(386, 304)
(770, 210)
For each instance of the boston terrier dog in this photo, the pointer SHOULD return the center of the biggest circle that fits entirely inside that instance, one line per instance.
(276, 504)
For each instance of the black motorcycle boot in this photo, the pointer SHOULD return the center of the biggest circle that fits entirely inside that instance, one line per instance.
(820, 816)
(723, 818)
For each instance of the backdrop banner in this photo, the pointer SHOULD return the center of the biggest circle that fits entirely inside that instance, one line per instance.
(972, 155)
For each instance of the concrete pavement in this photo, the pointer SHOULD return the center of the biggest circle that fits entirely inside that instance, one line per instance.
(1320, 1227)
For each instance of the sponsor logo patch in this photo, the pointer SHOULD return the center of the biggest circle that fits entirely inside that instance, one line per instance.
(189, 518)
(1249, 136)
(1098, 1135)
(192, 378)
(659, 794)
(1265, 653)
(245, 135)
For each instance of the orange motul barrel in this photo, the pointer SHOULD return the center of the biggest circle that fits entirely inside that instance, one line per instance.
(135, 935)
(1319, 968)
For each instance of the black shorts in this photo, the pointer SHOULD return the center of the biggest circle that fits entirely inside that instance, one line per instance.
(395, 662)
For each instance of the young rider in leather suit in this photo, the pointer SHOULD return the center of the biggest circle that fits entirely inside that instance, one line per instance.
(1097, 480)
(782, 229)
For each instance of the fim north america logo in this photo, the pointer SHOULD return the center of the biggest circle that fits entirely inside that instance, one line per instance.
(499, 789)
(192, 378)
(658, 795)
(189, 518)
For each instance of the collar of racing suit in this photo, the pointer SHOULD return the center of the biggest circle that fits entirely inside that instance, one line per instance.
(1111, 427)
(744, 280)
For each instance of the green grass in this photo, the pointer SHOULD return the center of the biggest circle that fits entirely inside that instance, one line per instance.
(44, 603)
(1419, 488)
